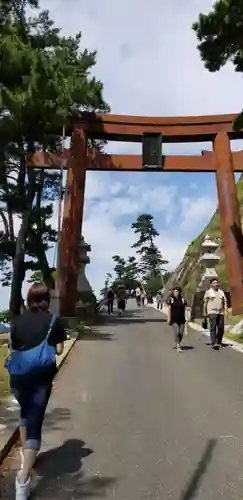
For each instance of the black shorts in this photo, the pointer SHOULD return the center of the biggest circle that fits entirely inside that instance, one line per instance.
(122, 304)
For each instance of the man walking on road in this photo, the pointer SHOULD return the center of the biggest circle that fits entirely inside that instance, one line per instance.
(176, 315)
(215, 309)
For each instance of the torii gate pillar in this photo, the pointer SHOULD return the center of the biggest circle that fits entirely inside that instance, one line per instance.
(230, 219)
(72, 224)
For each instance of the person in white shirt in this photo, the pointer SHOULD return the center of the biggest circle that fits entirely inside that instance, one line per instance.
(138, 296)
(215, 309)
(143, 296)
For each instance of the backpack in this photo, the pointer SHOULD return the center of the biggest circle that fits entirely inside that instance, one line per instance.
(25, 362)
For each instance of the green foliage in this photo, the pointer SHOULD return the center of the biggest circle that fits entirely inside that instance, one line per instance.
(145, 228)
(151, 260)
(153, 284)
(4, 316)
(126, 272)
(147, 270)
(219, 34)
(36, 277)
(44, 80)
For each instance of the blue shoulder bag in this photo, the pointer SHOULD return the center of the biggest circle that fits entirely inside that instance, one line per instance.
(24, 362)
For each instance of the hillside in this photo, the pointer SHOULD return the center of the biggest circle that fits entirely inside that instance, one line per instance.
(188, 273)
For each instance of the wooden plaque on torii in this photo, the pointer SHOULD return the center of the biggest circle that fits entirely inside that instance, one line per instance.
(79, 158)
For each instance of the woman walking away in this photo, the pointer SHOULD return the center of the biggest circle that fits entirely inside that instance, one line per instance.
(36, 337)
(159, 300)
(110, 300)
(121, 300)
(176, 315)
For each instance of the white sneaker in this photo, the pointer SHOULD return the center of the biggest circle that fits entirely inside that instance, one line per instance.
(22, 491)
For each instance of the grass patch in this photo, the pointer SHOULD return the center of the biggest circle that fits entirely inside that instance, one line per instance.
(228, 335)
(229, 320)
(235, 338)
(4, 379)
(233, 320)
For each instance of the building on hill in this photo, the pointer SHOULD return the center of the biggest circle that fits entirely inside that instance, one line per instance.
(208, 260)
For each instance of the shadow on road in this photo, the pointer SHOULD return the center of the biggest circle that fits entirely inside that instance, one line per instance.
(224, 344)
(130, 317)
(56, 419)
(191, 489)
(62, 476)
(95, 334)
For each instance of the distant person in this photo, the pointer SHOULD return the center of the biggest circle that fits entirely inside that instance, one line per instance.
(176, 315)
(36, 336)
(143, 297)
(121, 300)
(138, 296)
(215, 309)
(110, 296)
(159, 300)
(149, 298)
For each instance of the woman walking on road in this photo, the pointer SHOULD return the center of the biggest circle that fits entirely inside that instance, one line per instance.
(176, 315)
(36, 337)
(121, 300)
(110, 300)
(159, 300)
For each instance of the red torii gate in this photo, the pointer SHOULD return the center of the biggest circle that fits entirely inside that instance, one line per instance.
(79, 159)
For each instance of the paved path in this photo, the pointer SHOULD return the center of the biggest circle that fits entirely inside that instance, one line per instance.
(131, 419)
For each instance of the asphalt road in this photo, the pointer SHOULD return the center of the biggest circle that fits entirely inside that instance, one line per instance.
(130, 418)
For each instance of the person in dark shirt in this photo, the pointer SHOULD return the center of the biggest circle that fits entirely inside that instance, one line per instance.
(176, 315)
(32, 393)
(110, 300)
(121, 300)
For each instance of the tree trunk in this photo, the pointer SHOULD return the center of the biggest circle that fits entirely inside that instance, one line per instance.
(18, 275)
(41, 254)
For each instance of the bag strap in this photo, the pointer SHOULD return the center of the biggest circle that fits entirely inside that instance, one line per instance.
(53, 319)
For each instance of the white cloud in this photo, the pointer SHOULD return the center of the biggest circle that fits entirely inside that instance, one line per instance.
(96, 186)
(195, 211)
(147, 56)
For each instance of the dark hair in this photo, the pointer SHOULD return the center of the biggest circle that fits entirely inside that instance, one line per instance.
(178, 288)
(38, 297)
(212, 280)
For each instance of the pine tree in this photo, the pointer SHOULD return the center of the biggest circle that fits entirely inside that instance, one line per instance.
(47, 82)
(151, 259)
(126, 272)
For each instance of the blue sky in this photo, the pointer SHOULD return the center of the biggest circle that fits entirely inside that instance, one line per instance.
(149, 64)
